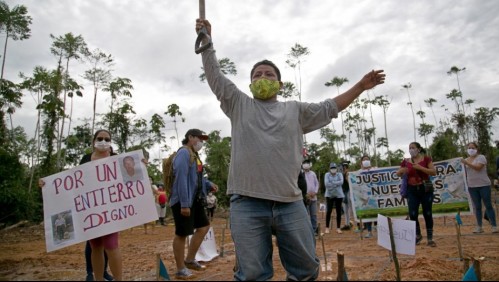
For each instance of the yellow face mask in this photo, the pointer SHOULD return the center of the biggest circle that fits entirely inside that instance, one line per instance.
(264, 89)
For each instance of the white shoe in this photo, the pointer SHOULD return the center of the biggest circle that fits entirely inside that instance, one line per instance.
(339, 231)
(494, 229)
(478, 229)
(326, 231)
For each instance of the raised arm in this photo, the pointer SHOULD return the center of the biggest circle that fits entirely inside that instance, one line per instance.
(370, 80)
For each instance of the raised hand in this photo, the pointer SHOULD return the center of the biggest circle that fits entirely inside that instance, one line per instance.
(373, 78)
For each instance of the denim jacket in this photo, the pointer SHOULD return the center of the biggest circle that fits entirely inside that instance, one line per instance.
(186, 180)
(334, 185)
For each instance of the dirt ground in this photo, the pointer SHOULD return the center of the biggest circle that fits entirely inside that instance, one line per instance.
(23, 255)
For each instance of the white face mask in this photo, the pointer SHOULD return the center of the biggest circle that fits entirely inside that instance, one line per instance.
(366, 163)
(472, 152)
(306, 166)
(333, 170)
(102, 145)
(413, 152)
(198, 146)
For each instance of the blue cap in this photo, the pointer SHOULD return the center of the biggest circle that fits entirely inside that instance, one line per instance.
(332, 165)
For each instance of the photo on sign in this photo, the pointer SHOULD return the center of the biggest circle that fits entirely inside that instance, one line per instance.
(62, 226)
(130, 168)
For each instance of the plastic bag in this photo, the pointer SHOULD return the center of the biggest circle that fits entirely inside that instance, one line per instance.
(403, 186)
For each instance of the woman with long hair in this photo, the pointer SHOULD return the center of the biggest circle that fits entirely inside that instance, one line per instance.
(419, 168)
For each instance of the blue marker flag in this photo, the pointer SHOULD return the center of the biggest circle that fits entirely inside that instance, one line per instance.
(345, 276)
(458, 219)
(162, 271)
(470, 275)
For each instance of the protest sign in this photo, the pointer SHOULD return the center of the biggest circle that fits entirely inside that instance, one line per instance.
(208, 248)
(404, 235)
(97, 198)
(376, 191)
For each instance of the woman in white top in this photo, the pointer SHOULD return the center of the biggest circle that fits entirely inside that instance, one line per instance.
(479, 186)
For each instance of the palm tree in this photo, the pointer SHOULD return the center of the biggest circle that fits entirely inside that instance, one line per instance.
(461, 114)
(118, 87)
(384, 104)
(338, 82)
(429, 102)
(295, 59)
(455, 70)
(74, 89)
(226, 67)
(174, 111)
(288, 90)
(67, 47)
(407, 87)
(15, 23)
(99, 74)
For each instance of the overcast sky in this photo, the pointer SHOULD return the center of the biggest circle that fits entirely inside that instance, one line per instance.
(152, 42)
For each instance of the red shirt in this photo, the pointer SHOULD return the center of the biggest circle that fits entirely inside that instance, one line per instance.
(414, 176)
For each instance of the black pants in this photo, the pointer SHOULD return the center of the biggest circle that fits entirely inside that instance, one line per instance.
(329, 209)
(88, 259)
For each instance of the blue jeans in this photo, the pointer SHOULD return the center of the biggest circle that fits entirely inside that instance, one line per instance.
(479, 194)
(312, 211)
(416, 196)
(253, 222)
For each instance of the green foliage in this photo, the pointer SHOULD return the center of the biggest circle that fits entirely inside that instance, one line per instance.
(444, 147)
(217, 164)
(16, 201)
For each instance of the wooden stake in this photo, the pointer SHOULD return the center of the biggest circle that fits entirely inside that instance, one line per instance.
(478, 271)
(157, 266)
(223, 238)
(394, 251)
(323, 247)
(361, 228)
(459, 246)
(341, 266)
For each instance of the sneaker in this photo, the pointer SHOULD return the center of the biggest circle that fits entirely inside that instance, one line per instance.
(108, 276)
(338, 230)
(90, 277)
(494, 229)
(432, 243)
(419, 238)
(478, 229)
(345, 227)
(326, 231)
(184, 274)
(368, 235)
(194, 265)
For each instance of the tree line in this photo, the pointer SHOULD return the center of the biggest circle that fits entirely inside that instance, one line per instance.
(59, 141)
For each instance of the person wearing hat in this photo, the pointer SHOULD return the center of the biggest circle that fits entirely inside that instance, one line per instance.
(312, 190)
(333, 181)
(187, 203)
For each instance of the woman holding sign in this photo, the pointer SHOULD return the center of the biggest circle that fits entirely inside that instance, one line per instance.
(107, 244)
(419, 168)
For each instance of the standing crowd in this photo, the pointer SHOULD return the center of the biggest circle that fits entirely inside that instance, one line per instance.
(273, 189)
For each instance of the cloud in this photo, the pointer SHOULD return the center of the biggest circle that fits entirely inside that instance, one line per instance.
(152, 43)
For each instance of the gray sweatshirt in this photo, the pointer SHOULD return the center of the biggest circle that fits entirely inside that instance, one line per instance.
(267, 137)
